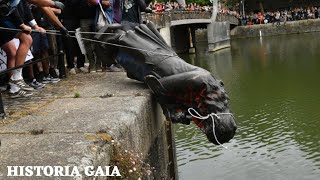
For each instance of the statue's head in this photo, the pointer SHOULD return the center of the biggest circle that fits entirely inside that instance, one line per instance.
(217, 122)
(200, 98)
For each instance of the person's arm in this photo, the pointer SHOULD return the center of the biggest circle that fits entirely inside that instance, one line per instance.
(47, 3)
(18, 21)
(106, 3)
(54, 19)
(56, 11)
(42, 3)
(28, 17)
(93, 2)
(44, 6)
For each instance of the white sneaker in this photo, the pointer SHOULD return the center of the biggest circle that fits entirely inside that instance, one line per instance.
(50, 79)
(72, 71)
(83, 69)
(20, 93)
(20, 83)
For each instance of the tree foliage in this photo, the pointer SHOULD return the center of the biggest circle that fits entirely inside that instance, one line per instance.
(200, 2)
(231, 3)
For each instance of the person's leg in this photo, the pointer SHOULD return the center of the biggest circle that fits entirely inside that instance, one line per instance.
(46, 68)
(67, 50)
(22, 51)
(52, 49)
(107, 55)
(86, 25)
(10, 50)
(38, 45)
(17, 85)
(36, 50)
(45, 63)
(80, 60)
(69, 43)
(61, 62)
(100, 57)
(30, 75)
(40, 74)
(31, 79)
(21, 54)
(43, 52)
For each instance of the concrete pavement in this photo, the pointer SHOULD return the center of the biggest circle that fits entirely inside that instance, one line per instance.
(58, 129)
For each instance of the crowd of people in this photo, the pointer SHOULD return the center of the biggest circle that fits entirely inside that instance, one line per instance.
(174, 6)
(191, 7)
(291, 14)
(48, 27)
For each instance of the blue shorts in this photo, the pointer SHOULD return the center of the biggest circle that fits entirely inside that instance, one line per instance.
(39, 42)
(6, 36)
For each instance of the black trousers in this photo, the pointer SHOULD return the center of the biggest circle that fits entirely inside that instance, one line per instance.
(71, 47)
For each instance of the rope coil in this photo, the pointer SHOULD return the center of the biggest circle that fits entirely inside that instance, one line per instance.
(197, 115)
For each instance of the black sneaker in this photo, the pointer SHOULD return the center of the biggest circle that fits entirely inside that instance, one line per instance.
(36, 85)
(50, 79)
(20, 93)
(21, 84)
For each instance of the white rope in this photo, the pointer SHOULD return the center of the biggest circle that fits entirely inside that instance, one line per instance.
(128, 47)
(82, 32)
(49, 31)
(212, 115)
(54, 32)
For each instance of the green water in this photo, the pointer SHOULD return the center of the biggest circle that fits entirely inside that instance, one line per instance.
(274, 88)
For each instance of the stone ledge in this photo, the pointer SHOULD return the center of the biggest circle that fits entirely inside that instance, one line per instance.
(131, 117)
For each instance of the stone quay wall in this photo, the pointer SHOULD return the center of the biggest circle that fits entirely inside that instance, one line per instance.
(293, 27)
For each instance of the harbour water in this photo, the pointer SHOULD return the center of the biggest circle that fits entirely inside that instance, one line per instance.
(273, 83)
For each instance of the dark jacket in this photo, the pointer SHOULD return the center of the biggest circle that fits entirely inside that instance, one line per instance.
(25, 11)
(22, 14)
(78, 9)
(132, 10)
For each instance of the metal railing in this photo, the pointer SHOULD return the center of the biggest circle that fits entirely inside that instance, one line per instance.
(164, 19)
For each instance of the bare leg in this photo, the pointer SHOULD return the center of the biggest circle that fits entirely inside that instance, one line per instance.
(10, 50)
(25, 44)
(39, 65)
(30, 73)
